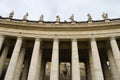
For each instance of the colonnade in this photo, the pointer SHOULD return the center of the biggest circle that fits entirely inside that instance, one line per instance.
(94, 65)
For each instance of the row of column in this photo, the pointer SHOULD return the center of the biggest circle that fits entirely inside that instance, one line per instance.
(14, 68)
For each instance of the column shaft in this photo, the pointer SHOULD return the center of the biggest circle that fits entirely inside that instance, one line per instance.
(39, 66)
(113, 68)
(3, 58)
(1, 41)
(96, 61)
(42, 73)
(34, 61)
(105, 69)
(75, 61)
(11, 68)
(87, 68)
(26, 69)
(91, 65)
(54, 74)
(19, 65)
(116, 52)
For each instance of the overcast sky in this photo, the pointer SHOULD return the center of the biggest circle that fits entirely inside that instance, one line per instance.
(63, 8)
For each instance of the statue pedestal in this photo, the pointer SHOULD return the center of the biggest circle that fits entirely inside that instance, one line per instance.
(41, 22)
(73, 22)
(57, 23)
(107, 20)
(90, 22)
(25, 21)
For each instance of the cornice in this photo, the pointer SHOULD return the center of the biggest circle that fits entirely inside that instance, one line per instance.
(97, 29)
(47, 26)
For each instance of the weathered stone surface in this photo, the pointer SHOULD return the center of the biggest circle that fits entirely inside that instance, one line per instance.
(57, 48)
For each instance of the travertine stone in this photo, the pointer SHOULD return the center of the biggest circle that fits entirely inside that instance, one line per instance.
(3, 58)
(42, 73)
(87, 68)
(39, 65)
(91, 65)
(98, 74)
(26, 69)
(116, 52)
(11, 68)
(19, 65)
(34, 61)
(54, 74)
(75, 61)
(113, 67)
(1, 41)
(105, 67)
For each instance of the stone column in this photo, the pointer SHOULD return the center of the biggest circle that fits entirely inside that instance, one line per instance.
(116, 52)
(34, 61)
(39, 66)
(91, 65)
(54, 74)
(19, 65)
(43, 67)
(75, 61)
(113, 67)
(3, 58)
(11, 68)
(96, 60)
(26, 68)
(87, 68)
(105, 68)
(1, 41)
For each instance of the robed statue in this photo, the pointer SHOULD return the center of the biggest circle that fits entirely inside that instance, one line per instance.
(25, 16)
(105, 16)
(72, 18)
(11, 14)
(57, 19)
(89, 17)
(41, 19)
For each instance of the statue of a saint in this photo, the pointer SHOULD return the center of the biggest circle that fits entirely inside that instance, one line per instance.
(11, 14)
(89, 17)
(41, 18)
(105, 16)
(72, 18)
(25, 16)
(57, 19)
(65, 71)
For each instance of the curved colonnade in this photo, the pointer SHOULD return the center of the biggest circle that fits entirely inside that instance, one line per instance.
(26, 47)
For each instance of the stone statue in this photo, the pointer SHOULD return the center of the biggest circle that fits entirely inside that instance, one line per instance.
(65, 71)
(72, 18)
(41, 18)
(25, 16)
(89, 17)
(105, 16)
(11, 14)
(57, 19)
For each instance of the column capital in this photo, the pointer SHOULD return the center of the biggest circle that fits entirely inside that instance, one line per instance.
(92, 39)
(2, 36)
(56, 39)
(38, 39)
(113, 38)
(74, 39)
(19, 37)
